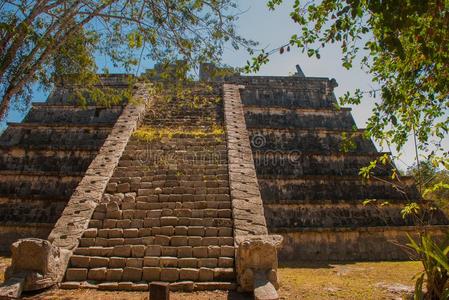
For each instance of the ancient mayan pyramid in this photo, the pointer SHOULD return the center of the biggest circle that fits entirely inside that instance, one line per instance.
(194, 196)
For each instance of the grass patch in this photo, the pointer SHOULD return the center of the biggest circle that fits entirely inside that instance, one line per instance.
(299, 280)
(359, 280)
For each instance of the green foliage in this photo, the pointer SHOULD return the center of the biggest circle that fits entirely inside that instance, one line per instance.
(402, 44)
(40, 41)
(435, 260)
(433, 183)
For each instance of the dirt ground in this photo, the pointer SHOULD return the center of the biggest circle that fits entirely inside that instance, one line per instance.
(299, 280)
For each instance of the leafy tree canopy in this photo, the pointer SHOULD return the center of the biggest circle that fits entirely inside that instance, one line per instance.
(44, 40)
(403, 45)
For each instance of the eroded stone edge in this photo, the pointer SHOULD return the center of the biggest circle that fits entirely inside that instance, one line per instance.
(78, 211)
(251, 237)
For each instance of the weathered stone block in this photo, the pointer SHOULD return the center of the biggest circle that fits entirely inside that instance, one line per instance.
(153, 250)
(115, 233)
(122, 250)
(79, 261)
(169, 274)
(162, 240)
(114, 274)
(143, 232)
(151, 274)
(200, 252)
(226, 262)
(213, 251)
(90, 233)
(166, 261)
(151, 261)
(97, 274)
(117, 262)
(207, 262)
(206, 274)
(169, 221)
(123, 187)
(179, 241)
(134, 262)
(227, 251)
(187, 262)
(169, 251)
(188, 274)
(76, 274)
(132, 274)
(224, 274)
(97, 262)
(195, 241)
(138, 250)
(184, 251)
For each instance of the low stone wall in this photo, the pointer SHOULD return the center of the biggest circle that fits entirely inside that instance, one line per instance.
(351, 244)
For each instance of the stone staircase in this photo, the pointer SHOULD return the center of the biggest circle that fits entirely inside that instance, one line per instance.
(166, 213)
(310, 186)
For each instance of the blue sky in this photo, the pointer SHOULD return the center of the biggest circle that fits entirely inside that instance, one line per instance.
(271, 29)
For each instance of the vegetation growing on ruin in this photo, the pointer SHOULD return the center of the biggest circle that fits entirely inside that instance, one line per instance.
(150, 134)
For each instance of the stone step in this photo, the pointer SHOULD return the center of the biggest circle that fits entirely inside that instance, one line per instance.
(64, 136)
(192, 120)
(149, 274)
(264, 96)
(183, 257)
(160, 183)
(174, 241)
(28, 210)
(169, 175)
(149, 169)
(177, 155)
(352, 189)
(183, 232)
(176, 193)
(117, 221)
(274, 117)
(289, 164)
(67, 114)
(34, 160)
(313, 140)
(343, 215)
(181, 143)
(186, 286)
(37, 184)
(184, 113)
(167, 195)
(142, 210)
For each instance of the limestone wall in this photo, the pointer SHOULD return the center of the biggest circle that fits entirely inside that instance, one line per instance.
(346, 244)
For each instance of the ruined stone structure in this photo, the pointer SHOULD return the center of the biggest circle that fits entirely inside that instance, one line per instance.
(44, 158)
(203, 194)
(311, 188)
